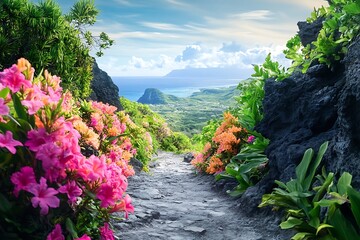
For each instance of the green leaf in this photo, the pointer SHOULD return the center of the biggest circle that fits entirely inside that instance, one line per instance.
(290, 223)
(4, 92)
(354, 197)
(343, 183)
(352, 8)
(309, 179)
(301, 236)
(302, 168)
(110, 139)
(343, 229)
(323, 189)
(71, 228)
(323, 226)
(19, 108)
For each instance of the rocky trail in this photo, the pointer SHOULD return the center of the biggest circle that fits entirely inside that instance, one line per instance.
(172, 202)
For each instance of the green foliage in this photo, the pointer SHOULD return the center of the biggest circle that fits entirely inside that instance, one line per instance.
(151, 122)
(306, 196)
(43, 35)
(207, 132)
(247, 167)
(176, 142)
(249, 110)
(341, 24)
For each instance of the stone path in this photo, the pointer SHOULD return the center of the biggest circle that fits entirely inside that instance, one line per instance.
(173, 203)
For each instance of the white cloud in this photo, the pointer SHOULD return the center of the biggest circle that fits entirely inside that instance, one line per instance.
(254, 15)
(196, 56)
(162, 26)
(126, 3)
(178, 3)
(190, 52)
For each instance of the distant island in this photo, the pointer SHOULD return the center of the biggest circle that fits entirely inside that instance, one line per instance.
(155, 96)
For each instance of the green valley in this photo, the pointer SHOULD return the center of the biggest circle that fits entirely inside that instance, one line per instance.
(190, 114)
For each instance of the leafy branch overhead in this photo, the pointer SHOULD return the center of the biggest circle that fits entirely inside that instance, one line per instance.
(82, 15)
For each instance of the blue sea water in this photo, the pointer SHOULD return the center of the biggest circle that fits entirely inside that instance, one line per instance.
(133, 87)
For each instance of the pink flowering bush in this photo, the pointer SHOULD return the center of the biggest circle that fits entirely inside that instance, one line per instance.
(63, 165)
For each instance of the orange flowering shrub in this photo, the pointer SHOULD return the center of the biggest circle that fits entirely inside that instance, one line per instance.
(226, 143)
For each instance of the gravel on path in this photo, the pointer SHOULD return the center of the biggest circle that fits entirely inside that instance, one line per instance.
(172, 202)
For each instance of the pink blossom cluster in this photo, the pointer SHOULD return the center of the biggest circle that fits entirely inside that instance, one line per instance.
(55, 170)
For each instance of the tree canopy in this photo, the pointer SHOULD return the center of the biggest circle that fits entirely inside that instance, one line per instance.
(51, 40)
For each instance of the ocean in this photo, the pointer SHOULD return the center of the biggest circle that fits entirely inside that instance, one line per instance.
(133, 87)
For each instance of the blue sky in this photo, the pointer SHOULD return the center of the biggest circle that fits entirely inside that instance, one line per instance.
(154, 37)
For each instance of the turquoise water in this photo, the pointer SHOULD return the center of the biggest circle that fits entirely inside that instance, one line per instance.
(133, 87)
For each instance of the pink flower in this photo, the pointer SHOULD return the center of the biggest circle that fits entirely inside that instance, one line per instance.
(106, 195)
(251, 139)
(44, 197)
(96, 167)
(4, 109)
(32, 105)
(106, 233)
(23, 180)
(37, 138)
(72, 191)
(56, 234)
(83, 237)
(14, 79)
(8, 142)
(125, 205)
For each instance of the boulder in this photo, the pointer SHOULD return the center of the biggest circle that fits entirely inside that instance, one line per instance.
(188, 157)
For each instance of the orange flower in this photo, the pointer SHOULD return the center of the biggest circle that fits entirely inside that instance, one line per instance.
(215, 165)
(23, 64)
(113, 131)
(126, 155)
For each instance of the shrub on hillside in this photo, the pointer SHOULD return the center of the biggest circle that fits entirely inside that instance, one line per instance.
(227, 141)
(162, 136)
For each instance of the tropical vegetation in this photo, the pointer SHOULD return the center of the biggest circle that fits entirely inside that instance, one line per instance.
(51, 40)
(317, 206)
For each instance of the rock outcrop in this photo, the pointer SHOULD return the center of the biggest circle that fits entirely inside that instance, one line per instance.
(103, 88)
(305, 110)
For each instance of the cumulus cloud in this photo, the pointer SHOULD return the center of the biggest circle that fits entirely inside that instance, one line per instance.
(227, 55)
(190, 52)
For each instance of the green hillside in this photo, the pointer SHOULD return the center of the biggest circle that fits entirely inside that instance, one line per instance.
(190, 114)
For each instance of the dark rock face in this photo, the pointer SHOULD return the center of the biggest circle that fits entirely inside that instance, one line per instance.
(103, 88)
(306, 110)
(308, 32)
